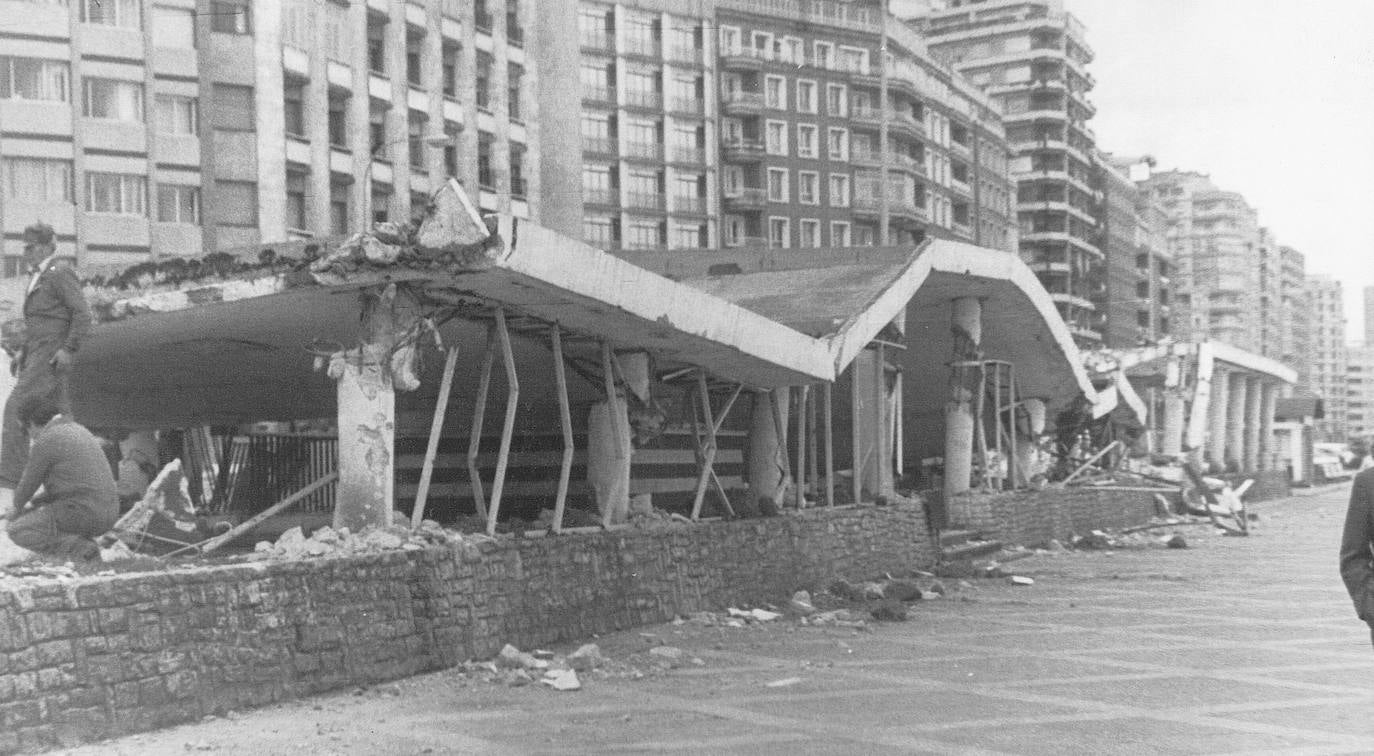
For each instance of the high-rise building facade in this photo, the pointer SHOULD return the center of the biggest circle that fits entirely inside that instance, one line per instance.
(1330, 364)
(1295, 313)
(1136, 259)
(1031, 56)
(1359, 397)
(143, 129)
(1368, 335)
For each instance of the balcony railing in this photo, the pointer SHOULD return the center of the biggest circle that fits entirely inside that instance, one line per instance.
(482, 21)
(644, 201)
(743, 99)
(736, 147)
(597, 40)
(597, 94)
(518, 186)
(649, 150)
(515, 33)
(604, 145)
(689, 155)
(641, 99)
(643, 46)
(601, 196)
(746, 196)
(689, 205)
(688, 105)
(681, 54)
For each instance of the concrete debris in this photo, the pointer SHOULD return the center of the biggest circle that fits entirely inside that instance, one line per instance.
(586, 657)
(1176, 541)
(901, 590)
(753, 615)
(562, 679)
(888, 610)
(513, 658)
(671, 653)
(841, 617)
(1020, 580)
(785, 682)
(930, 595)
(801, 604)
(326, 541)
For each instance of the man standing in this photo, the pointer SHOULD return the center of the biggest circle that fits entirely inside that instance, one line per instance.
(79, 502)
(1357, 560)
(56, 321)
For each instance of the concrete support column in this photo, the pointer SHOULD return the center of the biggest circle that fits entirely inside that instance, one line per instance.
(1171, 430)
(1235, 422)
(1253, 413)
(967, 324)
(1216, 427)
(608, 457)
(872, 411)
(1269, 397)
(767, 454)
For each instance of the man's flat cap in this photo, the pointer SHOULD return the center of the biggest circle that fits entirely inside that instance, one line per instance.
(39, 233)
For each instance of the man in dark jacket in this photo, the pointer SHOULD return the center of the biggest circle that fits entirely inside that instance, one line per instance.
(79, 502)
(56, 321)
(1357, 559)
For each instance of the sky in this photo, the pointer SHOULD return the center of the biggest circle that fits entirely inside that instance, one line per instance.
(1274, 100)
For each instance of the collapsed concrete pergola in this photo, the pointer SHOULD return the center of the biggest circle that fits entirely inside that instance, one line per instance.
(901, 322)
(1216, 402)
(268, 344)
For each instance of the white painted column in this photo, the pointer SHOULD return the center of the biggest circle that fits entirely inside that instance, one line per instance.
(1216, 432)
(1235, 422)
(967, 324)
(608, 457)
(877, 474)
(1253, 412)
(766, 460)
(1171, 431)
(1269, 397)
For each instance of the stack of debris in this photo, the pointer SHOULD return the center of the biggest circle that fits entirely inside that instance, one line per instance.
(326, 541)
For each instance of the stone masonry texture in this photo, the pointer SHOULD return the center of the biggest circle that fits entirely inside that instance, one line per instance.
(90, 658)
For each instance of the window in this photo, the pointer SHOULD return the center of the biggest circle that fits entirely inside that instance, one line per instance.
(232, 108)
(514, 74)
(451, 131)
(448, 64)
(863, 236)
(111, 13)
(376, 48)
(642, 88)
(338, 208)
(416, 125)
(823, 55)
(778, 233)
(839, 234)
(338, 121)
(112, 99)
(176, 114)
(837, 100)
(597, 83)
(118, 193)
(790, 50)
(806, 140)
(777, 185)
(837, 144)
(598, 230)
(173, 27)
(806, 96)
(293, 111)
(484, 63)
(235, 203)
(809, 232)
(645, 235)
(486, 176)
(775, 92)
(295, 200)
(808, 187)
(338, 32)
(37, 179)
(775, 138)
(853, 60)
(839, 190)
(596, 132)
(730, 40)
(414, 71)
(178, 204)
(229, 16)
(518, 189)
(33, 79)
(296, 28)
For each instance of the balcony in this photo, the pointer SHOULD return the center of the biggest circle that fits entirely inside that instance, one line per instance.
(899, 209)
(1071, 299)
(481, 21)
(742, 150)
(742, 103)
(643, 100)
(905, 125)
(598, 95)
(742, 60)
(601, 196)
(687, 105)
(693, 155)
(693, 205)
(643, 46)
(745, 198)
(644, 150)
(515, 34)
(598, 41)
(961, 187)
(689, 55)
(599, 145)
(644, 201)
(1050, 267)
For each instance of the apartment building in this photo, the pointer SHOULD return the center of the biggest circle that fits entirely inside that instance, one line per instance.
(1296, 313)
(1031, 57)
(140, 128)
(1136, 259)
(648, 126)
(1368, 335)
(1329, 358)
(1359, 397)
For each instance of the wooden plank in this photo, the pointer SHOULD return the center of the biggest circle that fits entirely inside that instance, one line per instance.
(565, 420)
(801, 446)
(508, 428)
(829, 447)
(479, 413)
(417, 514)
(206, 547)
(708, 457)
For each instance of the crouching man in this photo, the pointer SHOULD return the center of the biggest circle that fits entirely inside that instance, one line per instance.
(79, 502)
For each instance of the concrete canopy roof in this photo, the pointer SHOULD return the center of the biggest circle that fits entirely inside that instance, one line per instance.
(238, 350)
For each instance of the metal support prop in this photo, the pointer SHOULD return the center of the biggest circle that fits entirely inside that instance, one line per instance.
(813, 456)
(880, 452)
(780, 428)
(508, 427)
(565, 419)
(829, 448)
(801, 446)
(608, 371)
(855, 433)
(708, 457)
(479, 414)
(436, 427)
(898, 428)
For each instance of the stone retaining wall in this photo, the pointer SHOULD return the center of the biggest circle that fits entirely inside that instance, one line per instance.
(1029, 518)
(95, 657)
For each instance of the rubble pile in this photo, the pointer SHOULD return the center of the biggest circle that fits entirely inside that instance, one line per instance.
(326, 541)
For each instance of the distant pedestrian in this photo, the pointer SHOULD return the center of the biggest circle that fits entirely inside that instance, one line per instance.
(79, 502)
(56, 321)
(1357, 548)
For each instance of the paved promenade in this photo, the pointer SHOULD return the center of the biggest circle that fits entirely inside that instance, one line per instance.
(1235, 645)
